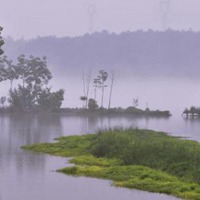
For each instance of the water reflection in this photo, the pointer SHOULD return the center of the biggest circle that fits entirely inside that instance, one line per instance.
(30, 173)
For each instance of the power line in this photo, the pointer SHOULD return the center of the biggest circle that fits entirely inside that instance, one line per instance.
(165, 9)
(91, 13)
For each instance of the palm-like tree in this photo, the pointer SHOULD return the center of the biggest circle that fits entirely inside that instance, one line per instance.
(96, 83)
(103, 75)
(1, 41)
(84, 99)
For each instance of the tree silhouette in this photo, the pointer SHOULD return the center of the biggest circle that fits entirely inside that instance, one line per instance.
(113, 77)
(135, 102)
(33, 92)
(84, 99)
(92, 104)
(2, 101)
(8, 71)
(96, 84)
(50, 101)
(103, 75)
(1, 41)
(86, 85)
(33, 71)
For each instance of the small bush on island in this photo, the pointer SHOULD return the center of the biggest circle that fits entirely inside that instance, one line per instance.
(193, 112)
(148, 148)
(133, 158)
(32, 92)
(92, 104)
(130, 111)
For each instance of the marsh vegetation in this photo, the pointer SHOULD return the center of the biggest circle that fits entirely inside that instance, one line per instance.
(133, 158)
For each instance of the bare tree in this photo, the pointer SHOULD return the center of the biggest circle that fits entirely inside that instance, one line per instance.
(103, 75)
(86, 85)
(1, 41)
(83, 99)
(135, 102)
(113, 77)
(83, 79)
(88, 81)
(96, 84)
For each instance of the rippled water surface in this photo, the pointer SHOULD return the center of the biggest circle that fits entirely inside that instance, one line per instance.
(31, 176)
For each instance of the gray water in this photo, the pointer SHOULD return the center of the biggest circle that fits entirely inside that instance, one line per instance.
(28, 176)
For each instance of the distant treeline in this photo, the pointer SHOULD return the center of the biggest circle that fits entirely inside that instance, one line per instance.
(192, 112)
(143, 52)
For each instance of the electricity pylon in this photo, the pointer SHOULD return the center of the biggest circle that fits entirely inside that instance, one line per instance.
(91, 14)
(165, 9)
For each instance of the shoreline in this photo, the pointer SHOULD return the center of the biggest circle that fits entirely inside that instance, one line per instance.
(98, 112)
(125, 172)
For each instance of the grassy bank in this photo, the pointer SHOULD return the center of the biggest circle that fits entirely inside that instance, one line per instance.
(133, 158)
(129, 111)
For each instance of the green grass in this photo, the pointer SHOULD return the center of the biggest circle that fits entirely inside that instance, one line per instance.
(152, 149)
(138, 177)
(65, 146)
(140, 159)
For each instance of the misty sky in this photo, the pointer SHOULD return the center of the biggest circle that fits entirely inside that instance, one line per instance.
(32, 18)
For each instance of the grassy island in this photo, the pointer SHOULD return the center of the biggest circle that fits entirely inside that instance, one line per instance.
(129, 111)
(133, 158)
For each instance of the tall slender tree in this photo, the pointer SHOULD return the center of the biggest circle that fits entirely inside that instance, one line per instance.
(1, 59)
(113, 77)
(9, 71)
(83, 99)
(35, 76)
(96, 83)
(88, 82)
(83, 80)
(2, 101)
(86, 78)
(1, 41)
(135, 102)
(103, 75)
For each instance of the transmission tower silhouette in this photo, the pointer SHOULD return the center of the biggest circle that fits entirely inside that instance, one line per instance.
(165, 9)
(91, 13)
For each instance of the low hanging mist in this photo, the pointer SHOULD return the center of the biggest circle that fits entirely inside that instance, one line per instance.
(158, 68)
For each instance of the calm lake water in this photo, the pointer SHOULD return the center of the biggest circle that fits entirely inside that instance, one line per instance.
(29, 176)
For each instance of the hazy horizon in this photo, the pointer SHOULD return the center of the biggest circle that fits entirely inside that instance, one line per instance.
(30, 19)
(70, 18)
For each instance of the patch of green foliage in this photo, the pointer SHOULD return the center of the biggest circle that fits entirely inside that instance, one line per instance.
(93, 161)
(138, 177)
(133, 158)
(152, 149)
(65, 146)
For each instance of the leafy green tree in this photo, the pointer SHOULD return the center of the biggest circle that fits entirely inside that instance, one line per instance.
(34, 75)
(83, 99)
(96, 84)
(1, 41)
(50, 101)
(103, 75)
(8, 71)
(44, 99)
(135, 102)
(33, 92)
(92, 104)
(2, 101)
(23, 98)
(56, 99)
(2, 69)
(193, 110)
(33, 71)
(113, 77)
